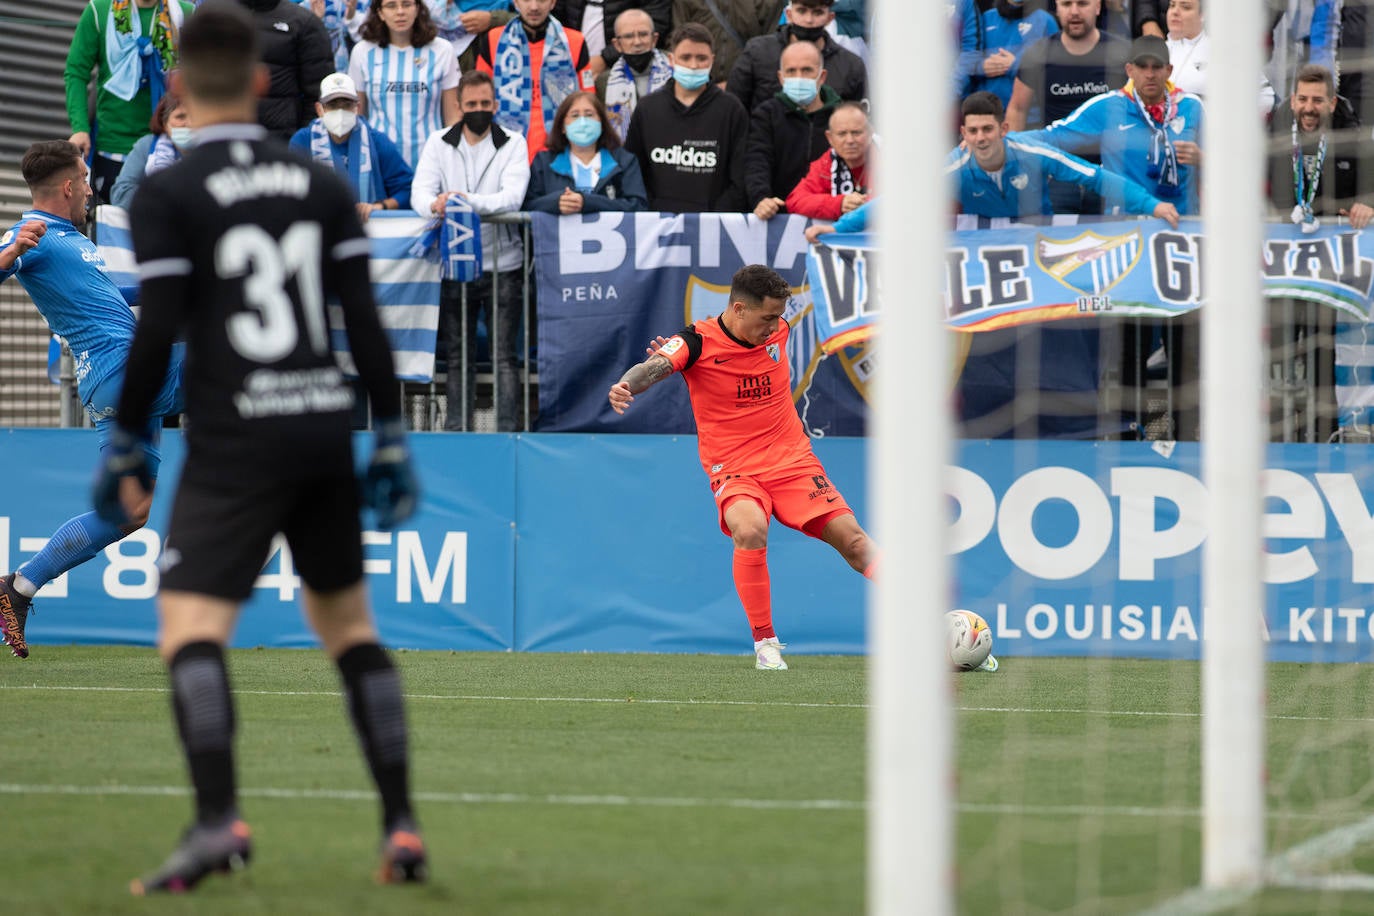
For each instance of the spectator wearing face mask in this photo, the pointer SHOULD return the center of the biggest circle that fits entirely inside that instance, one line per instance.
(690, 136)
(170, 137)
(584, 169)
(754, 78)
(486, 165)
(369, 162)
(787, 132)
(640, 68)
(731, 23)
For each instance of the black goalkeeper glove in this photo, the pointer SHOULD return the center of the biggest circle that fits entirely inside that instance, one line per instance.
(126, 457)
(390, 486)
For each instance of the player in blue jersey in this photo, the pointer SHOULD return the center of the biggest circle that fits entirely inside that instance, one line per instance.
(63, 273)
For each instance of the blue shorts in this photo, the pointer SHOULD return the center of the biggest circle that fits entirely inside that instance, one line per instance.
(103, 404)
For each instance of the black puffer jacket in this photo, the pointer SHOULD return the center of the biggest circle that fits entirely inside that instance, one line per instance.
(754, 78)
(295, 48)
(784, 140)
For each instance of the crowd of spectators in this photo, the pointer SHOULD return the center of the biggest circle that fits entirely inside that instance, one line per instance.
(1088, 107)
(697, 108)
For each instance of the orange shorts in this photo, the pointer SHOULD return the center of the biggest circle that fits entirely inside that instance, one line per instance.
(800, 497)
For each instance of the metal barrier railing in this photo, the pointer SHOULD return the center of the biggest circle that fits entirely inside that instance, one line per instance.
(430, 405)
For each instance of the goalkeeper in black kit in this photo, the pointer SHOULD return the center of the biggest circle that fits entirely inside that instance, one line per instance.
(238, 245)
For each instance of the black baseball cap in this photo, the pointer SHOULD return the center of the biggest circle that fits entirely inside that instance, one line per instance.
(1150, 47)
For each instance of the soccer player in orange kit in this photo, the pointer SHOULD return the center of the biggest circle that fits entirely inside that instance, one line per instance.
(752, 445)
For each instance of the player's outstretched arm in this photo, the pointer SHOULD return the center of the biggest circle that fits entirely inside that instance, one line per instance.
(23, 239)
(638, 378)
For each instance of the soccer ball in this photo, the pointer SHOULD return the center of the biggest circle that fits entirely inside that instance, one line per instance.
(970, 640)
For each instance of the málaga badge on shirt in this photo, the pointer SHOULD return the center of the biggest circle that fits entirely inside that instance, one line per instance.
(773, 351)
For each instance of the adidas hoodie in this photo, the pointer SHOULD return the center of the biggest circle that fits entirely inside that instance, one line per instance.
(692, 158)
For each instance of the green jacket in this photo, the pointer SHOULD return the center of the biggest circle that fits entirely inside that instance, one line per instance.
(120, 123)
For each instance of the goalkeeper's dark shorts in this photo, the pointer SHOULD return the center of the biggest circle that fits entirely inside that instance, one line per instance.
(220, 535)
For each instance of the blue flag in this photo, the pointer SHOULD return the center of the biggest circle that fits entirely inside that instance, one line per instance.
(461, 241)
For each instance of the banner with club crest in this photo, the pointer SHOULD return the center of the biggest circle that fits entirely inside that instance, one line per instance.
(609, 283)
(1013, 273)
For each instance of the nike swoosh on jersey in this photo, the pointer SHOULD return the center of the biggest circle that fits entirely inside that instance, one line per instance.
(726, 360)
(1124, 126)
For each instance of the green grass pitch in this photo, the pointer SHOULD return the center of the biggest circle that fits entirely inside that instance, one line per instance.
(673, 784)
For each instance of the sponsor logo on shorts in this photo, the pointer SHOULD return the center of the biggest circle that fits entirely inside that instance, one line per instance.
(822, 488)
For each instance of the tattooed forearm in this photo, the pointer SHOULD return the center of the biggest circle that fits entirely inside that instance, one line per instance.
(640, 377)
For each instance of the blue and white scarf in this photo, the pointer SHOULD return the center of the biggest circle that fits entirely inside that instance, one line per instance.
(515, 83)
(133, 57)
(359, 157)
(163, 153)
(621, 97)
(1162, 164)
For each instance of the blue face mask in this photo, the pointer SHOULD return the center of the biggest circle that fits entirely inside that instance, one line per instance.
(688, 78)
(800, 89)
(583, 131)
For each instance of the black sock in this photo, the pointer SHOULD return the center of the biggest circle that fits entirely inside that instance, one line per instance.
(373, 688)
(204, 712)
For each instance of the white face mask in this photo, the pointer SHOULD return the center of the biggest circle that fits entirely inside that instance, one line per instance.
(180, 136)
(339, 121)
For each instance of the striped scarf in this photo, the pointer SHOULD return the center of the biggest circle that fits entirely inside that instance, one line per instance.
(359, 157)
(841, 178)
(515, 82)
(137, 60)
(621, 98)
(1163, 160)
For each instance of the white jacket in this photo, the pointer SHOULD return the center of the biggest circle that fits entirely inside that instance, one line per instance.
(500, 188)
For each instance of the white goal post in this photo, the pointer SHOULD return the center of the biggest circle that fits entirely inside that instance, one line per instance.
(911, 832)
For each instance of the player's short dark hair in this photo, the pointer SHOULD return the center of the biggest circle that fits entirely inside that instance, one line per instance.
(1316, 73)
(421, 33)
(753, 283)
(692, 31)
(49, 159)
(558, 134)
(219, 50)
(982, 103)
(474, 77)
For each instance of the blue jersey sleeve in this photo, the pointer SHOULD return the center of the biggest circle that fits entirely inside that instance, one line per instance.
(1080, 130)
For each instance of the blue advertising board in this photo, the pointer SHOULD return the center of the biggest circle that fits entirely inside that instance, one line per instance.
(611, 543)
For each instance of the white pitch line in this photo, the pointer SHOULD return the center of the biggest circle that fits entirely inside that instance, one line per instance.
(623, 701)
(631, 701)
(462, 798)
(1290, 869)
(628, 801)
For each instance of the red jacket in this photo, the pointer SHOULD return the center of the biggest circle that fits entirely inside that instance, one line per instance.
(815, 196)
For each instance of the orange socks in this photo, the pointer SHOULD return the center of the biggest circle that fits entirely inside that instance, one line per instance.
(751, 582)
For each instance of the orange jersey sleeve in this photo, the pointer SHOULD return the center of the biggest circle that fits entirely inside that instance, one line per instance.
(741, 399)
